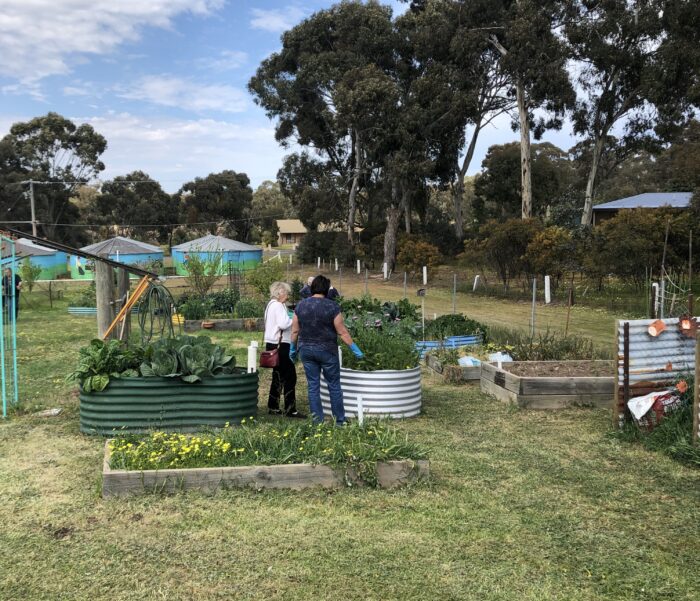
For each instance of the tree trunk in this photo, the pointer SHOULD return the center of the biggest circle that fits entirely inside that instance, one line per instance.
(104, 284)
(525, 171)
(590, 184)
(393, 214)
(458, 188)
(406, 204)
(352, 200)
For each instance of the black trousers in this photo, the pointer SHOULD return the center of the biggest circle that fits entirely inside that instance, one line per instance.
(284, 380)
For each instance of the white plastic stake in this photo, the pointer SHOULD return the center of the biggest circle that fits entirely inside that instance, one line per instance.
(318, 262)
(547, 290)
(253, 357)
(425, 275)
(336, 264)
(340, 356)
(290, 259)
(360, 412)
(384, 269)
(358, 267)
(477, 279)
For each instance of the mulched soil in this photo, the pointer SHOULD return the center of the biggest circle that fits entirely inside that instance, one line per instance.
(553, 369)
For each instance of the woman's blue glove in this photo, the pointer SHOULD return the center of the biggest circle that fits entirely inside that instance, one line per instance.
(293, 352)
(356, 351)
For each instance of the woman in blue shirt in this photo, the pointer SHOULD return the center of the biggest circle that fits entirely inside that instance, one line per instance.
(316, 325)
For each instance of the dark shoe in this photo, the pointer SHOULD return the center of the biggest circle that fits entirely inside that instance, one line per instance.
(296, 414)
(275, 411)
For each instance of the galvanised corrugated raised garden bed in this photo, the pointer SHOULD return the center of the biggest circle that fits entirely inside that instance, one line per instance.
(140, 404)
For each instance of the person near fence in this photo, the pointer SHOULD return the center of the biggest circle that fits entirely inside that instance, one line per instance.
(316, 325)
(10, 292)
(305, 291)
(278, 327)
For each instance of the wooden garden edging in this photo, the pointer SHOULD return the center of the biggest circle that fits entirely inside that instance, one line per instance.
(295, 476)
(534, 392)
(453, 373)
(253, 324)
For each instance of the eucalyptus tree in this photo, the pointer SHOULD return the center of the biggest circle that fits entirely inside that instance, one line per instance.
(324, 88)
(223, 199)
(52, 148)
(637, 64)
(495, 56)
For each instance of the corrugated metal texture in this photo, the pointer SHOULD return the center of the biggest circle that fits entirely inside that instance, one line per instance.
(211, 243)
(423, 346)
(650, 356)
(386, 393)
(90, 311)
(141, 404)
(648, 200)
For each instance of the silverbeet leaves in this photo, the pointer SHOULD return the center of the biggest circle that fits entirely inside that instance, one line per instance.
(190, 358)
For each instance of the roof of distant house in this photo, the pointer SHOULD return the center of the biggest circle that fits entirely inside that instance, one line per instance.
(27, 248)
(121, 245)
(649, 200)
(211, 243)
(291, 226)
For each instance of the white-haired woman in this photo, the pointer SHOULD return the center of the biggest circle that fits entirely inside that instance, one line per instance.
(278, 329)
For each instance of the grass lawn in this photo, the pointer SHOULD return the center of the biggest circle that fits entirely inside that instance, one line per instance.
(522, 506)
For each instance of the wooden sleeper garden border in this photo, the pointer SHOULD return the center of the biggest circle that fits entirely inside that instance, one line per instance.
(253, 324)
(294, 476)
(533, 392)
(453, 373)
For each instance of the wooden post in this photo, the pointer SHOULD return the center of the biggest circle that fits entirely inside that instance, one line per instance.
(405, 282)
(568, 310)
(365, 280)
(625, 368)
(104, 284)
(51, 296)
(534, 301)
(124, 330)
(454, 293)
(695, 438)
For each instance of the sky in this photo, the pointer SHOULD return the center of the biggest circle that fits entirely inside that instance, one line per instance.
(163, 80)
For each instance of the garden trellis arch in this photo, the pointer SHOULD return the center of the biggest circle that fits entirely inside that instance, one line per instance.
(8, 328)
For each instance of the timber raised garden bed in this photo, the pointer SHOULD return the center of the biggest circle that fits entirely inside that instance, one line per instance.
(226, 325)
(453, 373)
(295, 476)
(385, 393)
(550, 384)
(139, 404)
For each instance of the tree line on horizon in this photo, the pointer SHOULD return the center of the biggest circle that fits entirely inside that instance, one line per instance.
(387, 112)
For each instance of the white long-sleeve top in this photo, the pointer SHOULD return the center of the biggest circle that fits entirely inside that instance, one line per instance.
(276, 319)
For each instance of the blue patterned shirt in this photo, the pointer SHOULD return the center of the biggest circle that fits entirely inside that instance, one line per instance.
(316, 327)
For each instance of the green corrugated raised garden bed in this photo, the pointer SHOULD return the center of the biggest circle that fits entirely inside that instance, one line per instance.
(184, 383)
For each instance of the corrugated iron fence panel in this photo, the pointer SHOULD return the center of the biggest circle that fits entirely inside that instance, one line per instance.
(654, 361)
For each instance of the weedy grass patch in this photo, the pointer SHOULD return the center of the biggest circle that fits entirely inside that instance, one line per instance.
(354, 446)
(521, 505)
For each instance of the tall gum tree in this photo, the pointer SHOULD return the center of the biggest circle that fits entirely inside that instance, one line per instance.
(637, 66)
(321, 87)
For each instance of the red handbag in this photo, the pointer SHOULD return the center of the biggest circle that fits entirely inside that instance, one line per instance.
(271, 358)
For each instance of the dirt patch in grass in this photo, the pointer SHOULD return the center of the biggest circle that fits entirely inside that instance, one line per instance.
(564, 369)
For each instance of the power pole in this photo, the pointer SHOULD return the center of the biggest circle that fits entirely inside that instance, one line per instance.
(31, 202)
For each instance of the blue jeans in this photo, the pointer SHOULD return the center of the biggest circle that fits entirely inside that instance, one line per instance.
(315, 361)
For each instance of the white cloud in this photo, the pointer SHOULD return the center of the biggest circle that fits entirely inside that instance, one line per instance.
(175, 151)
(187, 94)
(42, 37)
(228, 60)
(276, 20)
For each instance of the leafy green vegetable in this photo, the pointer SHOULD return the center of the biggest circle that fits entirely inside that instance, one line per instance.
(100, 361)
(190, 358)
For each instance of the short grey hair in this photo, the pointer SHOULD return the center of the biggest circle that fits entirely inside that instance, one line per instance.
(277, 289)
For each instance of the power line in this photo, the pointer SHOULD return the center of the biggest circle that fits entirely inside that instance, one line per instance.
(126, 225)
